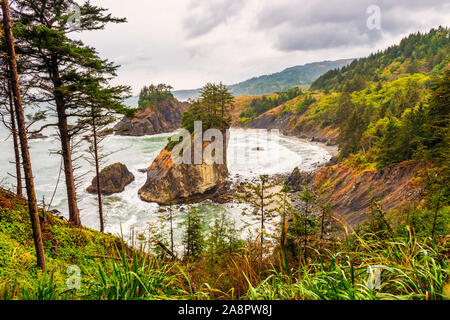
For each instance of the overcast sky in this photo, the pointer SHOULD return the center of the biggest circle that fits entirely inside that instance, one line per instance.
(187, 43)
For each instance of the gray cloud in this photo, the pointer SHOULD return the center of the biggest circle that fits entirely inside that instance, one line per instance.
(204, 16)
(187, 43)
(313, 25)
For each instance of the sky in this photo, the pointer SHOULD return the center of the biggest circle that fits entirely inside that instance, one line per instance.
(187, 43)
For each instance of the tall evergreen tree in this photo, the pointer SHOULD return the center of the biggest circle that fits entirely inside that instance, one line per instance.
(29, 180)
(211, 108)
(61, 64)
(100, 106)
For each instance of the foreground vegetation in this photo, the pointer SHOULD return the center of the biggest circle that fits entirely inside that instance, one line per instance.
(411, 267)
(388, 108)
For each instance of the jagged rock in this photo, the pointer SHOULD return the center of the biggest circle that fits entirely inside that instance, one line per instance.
(333, 161)
(36, 136)
(297, 179)
(169, 182)
(159, 118)
(349, 190)
(113, 179)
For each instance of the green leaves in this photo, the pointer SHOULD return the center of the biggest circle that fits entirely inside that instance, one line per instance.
(211, 108)
(152, 94)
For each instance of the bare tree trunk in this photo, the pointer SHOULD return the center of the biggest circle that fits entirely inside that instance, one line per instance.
(305, 241)
(436, 212)
(97, 171)
(32, 202)
(74, 212)
(15, 141)
(262, 220)
(171, 228)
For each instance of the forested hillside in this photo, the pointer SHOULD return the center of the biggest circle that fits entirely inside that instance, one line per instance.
(286, 79)
(301, 76)
(418, 53)
(386, 116)
(389, 107)
(364, 215)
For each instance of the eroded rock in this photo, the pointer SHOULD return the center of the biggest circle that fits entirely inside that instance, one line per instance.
(161, 118)
(113, 179)
(169, 182)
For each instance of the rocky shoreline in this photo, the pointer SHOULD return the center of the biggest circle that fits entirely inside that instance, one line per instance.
(236, 184)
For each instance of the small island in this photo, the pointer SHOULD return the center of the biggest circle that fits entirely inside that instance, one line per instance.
(170, 181)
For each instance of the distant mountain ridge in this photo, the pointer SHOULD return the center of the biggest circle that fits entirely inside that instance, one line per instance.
(280, 81)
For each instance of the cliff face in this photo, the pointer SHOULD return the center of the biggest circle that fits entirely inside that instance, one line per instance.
(292, 124)
(169, 182)
(160, 118)
(349, 191)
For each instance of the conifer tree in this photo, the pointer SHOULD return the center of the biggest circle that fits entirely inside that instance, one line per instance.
(29, 180)
(258, 197)
(61, 64)
(193, 236)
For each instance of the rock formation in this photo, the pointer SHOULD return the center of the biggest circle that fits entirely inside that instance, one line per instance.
(169, 182)
(349, 190)
(113, 179)
(160, 118)
(36, 136)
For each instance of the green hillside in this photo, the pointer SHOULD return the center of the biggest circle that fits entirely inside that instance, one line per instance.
(389, 107)
(417, 53)
(295, 76)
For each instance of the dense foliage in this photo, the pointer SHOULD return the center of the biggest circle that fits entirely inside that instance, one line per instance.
(223, 267)
(262, 104)
(211, 108)
(280, 81)
(152, 94)
(417, 53)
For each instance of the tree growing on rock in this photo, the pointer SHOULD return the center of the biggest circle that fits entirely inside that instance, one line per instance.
(212, 108)
(149, 95)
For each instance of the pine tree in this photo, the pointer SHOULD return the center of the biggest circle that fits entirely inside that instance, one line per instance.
(308, 223)
(285, 210)
(29, 180)
(60, 65)
(211, 108)
(258, 197)
(100, 106)
(193, 236)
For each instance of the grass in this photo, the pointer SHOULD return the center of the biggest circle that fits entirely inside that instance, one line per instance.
(412, 267)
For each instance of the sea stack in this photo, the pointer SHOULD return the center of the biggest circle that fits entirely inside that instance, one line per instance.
(171, 182)
(113, 179)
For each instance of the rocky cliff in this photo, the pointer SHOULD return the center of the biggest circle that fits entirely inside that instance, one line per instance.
(160, 118)
(350, 190)
(169, 182)
(292, 124)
